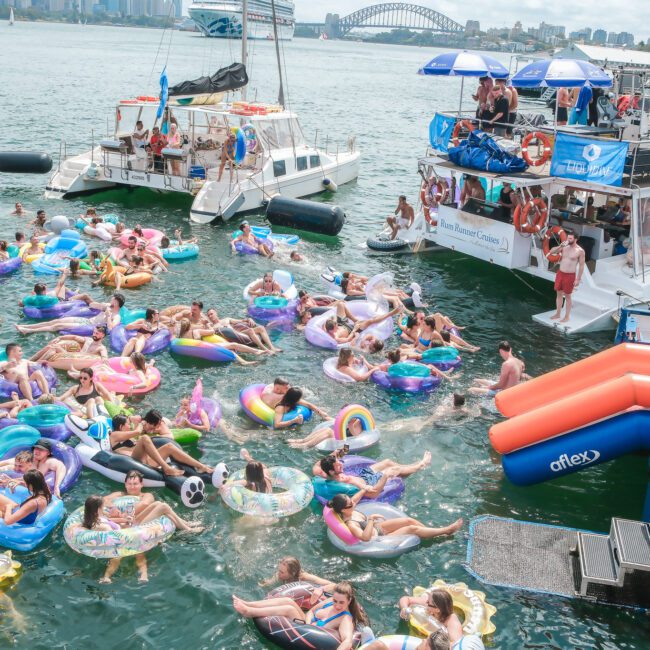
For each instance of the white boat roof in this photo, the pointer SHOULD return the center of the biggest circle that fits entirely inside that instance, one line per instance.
(605, 55)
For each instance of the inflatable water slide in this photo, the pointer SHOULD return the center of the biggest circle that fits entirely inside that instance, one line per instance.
(581, 415)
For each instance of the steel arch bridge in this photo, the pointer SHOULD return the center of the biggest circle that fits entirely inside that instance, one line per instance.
(395, 15)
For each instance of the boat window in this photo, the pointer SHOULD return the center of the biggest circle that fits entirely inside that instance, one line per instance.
(266, 134)
(279, 168)
(301, 163)
(314, 161)
(283, 129)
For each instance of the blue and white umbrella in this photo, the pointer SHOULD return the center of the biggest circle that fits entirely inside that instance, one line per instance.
(465, 64)
(561, 73)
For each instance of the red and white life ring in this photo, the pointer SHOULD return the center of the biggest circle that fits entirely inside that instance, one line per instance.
(520, 217)
(558, 233)
(461, 124)
(546, 152)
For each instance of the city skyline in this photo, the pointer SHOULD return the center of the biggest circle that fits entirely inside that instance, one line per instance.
(574, 16)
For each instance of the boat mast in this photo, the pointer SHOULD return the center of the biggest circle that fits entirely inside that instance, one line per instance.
(277, 54)
(244, 41)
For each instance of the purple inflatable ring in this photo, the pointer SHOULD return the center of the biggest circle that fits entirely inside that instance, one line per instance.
(8, 387)
(157, 342)
(246, 249)
(68, 309)
(66, 454)
(10, 265)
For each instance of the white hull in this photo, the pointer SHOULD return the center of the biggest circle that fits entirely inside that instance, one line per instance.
(222, 23)
(221, 200)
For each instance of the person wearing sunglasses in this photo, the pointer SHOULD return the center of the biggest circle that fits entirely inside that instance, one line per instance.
(365, 528)
(440, 606)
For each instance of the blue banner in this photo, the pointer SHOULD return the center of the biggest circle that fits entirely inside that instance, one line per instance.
(164, 85)
(582, 159)
(440, 131)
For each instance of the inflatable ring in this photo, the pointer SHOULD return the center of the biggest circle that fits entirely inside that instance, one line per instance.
(476, 610)
(406, 376)
(270, 302)
(349, 413)
(331, 370)
(42, 301)
(554, 232)
(150, 235)
(295, 495)
(461, 124)
(443, 357)
(361, 442)
(257, 410)
(28, 537)
(43, 415)
(116, 543)
(9, 569)
(155, 343)
(326, 489)
(546, 153)
(120, 377)
(34, 256)
(381, 547)
(289, 633)
(180, 252)
(251, 137)
(520, 217)
(201, 350)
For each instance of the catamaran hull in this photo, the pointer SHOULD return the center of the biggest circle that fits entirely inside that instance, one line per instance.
(210, 203)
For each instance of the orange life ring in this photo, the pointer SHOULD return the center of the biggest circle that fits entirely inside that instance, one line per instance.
(423, 199)
(558, 233)
(546, 153)
(147, 98)
(520, 217)
(461, 124)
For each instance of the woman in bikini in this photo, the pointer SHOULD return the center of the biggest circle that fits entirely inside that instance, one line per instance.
(341, 613)
(28, 511)
(267, 286)
(86, 398)
(145, 328)
(364, 528)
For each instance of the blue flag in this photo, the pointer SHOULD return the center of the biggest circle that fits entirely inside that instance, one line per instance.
(595, 161)
(440, 131)
(164, 85)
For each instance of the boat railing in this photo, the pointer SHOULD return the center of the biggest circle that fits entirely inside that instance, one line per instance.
(350, 144)
(537, 142)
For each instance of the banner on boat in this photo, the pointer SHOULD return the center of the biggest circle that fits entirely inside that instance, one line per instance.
(481, 237)
(440, 131)
(594, 161)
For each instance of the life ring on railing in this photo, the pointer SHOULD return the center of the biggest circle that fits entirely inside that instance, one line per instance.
(558, 233)
(546, 153)
(147, 98)
(520, 217)
(461, 124)
(426, 208)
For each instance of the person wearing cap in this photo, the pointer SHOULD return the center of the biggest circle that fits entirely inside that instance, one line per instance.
(40, 459)
(247, 237)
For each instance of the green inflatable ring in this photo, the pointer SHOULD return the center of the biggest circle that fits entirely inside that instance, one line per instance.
(443, 353)
(187, 436)
(271, 302)
(408, 369)
(41, 302)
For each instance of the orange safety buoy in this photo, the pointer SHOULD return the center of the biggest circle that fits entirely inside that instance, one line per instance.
(147, 98)
(559, 234)
(520, 217)
(461, 124)
(546, 153)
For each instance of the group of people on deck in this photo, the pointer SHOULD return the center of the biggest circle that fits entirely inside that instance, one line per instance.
(497, 103)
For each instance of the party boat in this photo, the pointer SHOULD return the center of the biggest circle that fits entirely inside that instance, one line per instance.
(592, 181)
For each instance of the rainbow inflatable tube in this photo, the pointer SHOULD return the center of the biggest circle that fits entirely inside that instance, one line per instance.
(369, 437)
(406, 376)
(201, 350)
(382, 547)
(251, 402)
(325, 489)
(117, 375)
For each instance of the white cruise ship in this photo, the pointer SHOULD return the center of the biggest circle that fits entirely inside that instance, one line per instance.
(223, 18)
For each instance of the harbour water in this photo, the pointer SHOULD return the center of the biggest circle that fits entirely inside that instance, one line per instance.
(61, 82)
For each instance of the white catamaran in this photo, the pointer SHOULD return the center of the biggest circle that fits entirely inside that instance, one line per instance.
(278, 159)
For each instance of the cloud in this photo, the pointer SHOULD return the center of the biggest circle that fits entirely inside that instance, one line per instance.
(573, 15)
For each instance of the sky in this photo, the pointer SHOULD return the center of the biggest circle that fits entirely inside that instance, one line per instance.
(604, 14)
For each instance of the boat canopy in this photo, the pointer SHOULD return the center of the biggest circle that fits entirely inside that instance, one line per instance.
(230, 78)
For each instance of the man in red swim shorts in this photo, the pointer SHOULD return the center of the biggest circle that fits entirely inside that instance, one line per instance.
(572, 265)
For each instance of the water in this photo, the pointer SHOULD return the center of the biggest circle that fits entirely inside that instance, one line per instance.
(61, 82)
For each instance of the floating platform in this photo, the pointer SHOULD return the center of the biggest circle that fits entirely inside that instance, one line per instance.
(610, 569)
